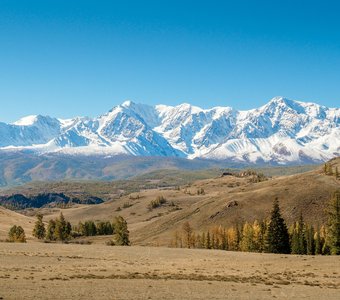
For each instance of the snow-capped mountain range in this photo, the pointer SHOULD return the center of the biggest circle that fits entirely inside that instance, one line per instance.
(282, 131)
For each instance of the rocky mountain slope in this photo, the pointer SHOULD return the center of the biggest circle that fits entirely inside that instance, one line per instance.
(282, 132)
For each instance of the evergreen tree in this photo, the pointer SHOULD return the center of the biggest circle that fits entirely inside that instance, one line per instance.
(333, 236)
(39, 230)
(100, 228)
(51, 230)
(208, 241)
(121, 232)
(310, 240)
(90, 228)
(224, 243)
(301, 235)
(324, 236)
(17, 234)
(277, 235)
(104, 228)
(62, 229)
(108, 228)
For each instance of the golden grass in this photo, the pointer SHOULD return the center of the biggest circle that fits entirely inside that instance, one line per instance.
(54, 271)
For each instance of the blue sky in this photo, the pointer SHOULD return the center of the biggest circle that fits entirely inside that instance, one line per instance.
(67, 58)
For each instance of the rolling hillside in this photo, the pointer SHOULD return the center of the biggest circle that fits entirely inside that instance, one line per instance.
(226, 200)
(9, 218)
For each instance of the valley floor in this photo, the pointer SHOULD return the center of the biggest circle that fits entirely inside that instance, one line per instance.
(59, 271)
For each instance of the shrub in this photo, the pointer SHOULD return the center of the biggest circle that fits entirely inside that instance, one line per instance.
(127, 205)
(159, 201)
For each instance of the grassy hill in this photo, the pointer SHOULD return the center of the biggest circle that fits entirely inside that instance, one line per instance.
(9, 218)
(225, 201)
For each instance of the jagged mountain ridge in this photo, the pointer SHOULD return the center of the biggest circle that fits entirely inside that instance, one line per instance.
(282, 131)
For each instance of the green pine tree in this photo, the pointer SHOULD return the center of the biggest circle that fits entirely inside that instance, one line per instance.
(62, 229)
(301, 232)
(208, 241)
(277, 234)
(224, 243)
(333, 232)
(51, 230)
(310, 240)
(39, 230)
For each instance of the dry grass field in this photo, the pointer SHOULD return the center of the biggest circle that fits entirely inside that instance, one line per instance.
(72, 271)
(226, 200)
(64, 271)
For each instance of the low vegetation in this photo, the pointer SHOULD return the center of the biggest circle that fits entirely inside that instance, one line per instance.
(253, 175)
(158, 202)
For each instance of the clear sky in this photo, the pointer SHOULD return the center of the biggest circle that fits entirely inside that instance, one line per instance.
(67, 58)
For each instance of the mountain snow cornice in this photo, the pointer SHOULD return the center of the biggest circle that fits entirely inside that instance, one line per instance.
(283, 131)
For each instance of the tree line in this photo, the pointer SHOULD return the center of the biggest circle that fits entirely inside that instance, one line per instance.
(272, 235)
(60, 229)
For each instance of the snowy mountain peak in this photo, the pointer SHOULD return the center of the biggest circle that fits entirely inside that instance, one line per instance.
(127, 103)
(282, 131)
(279, 100)
(26, 121)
